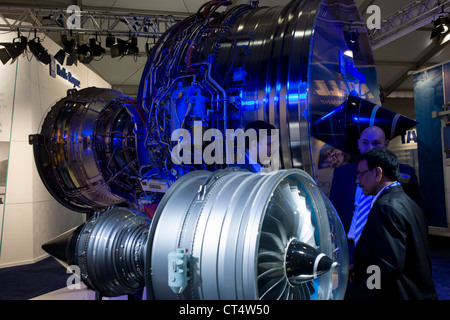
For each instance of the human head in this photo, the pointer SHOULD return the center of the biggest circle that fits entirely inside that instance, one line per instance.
(376, 169)
(372, 137)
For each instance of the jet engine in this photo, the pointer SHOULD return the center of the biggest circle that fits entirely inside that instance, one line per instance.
(246, 236)
(86, 153)
(217, 232)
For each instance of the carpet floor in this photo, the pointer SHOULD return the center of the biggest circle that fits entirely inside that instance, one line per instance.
(29, 281)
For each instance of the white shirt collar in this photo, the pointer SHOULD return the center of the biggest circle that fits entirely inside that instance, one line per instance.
(393, 184)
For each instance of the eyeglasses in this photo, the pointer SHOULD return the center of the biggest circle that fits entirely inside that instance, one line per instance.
(359, 175)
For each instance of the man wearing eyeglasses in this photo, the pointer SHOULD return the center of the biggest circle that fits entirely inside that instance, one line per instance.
(394, 239)
(346, 195)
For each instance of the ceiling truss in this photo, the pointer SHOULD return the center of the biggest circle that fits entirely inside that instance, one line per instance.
(407, 19)
(84, 22)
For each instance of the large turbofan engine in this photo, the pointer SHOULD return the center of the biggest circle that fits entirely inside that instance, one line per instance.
(218, 232)
(237, 235)
(86, 153)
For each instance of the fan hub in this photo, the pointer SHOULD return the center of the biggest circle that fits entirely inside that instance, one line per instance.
(304, 262)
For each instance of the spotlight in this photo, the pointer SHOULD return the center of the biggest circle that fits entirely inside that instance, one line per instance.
(68, 48)
(119, 48)
(4, 55)
(110, 41)
(60, 56)
(95, 48)
(39, 51)
(441, 28)
(83, 54)
(72, 58)
(132, 46)
(83, 49)
(122, 47)
(12, 50)
(69, 45)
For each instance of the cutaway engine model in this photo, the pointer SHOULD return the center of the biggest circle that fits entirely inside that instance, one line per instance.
(167, 209)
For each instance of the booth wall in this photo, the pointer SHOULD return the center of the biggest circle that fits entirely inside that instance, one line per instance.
(429, 97)
(30, 215)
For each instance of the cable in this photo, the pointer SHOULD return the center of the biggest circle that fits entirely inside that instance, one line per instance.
(186, 7)
(131, 75)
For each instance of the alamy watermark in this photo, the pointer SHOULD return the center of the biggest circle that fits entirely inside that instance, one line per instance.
(213, 147)
(74, 280)
(374, 20)
(374, 280)
(74, 20)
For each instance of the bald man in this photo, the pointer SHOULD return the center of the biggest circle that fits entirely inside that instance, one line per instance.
(371, 138)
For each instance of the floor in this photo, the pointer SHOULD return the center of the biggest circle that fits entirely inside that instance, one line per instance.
(440, 260)
(82, 293)
(47, 279)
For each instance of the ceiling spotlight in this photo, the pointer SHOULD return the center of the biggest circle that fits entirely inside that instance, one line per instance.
(122, 47)
(83, 54)
(88, 52)
(69, 48)
(4, 55)
(110, 41)
(132, 46)
(13, 50)
(119, 48)
(72, 58)
(95, 48)
(83, 49)
(39, 51)
(69, 45)
(441, 28)
(60, 56)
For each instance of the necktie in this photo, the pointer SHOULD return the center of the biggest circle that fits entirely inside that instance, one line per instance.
(363, 213)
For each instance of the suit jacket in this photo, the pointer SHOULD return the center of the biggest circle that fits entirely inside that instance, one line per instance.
(343, 188)
(394, 239)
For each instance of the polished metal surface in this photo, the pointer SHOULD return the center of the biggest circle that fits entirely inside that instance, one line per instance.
(110, 252)
(85, 153)
(289, 66)
(236, 227)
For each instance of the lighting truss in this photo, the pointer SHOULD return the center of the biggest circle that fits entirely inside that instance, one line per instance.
(91, 23)
(407, 19)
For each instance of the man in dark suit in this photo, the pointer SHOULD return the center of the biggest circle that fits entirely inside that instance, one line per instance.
(391, 258)
(345, 193)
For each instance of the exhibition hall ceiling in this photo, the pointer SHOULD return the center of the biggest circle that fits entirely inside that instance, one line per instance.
(395, 60)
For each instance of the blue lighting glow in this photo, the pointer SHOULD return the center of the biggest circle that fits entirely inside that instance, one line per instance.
(249, 103)
(296, 96)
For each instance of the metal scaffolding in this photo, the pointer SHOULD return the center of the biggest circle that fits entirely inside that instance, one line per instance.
(73, 21)
(407, 19)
